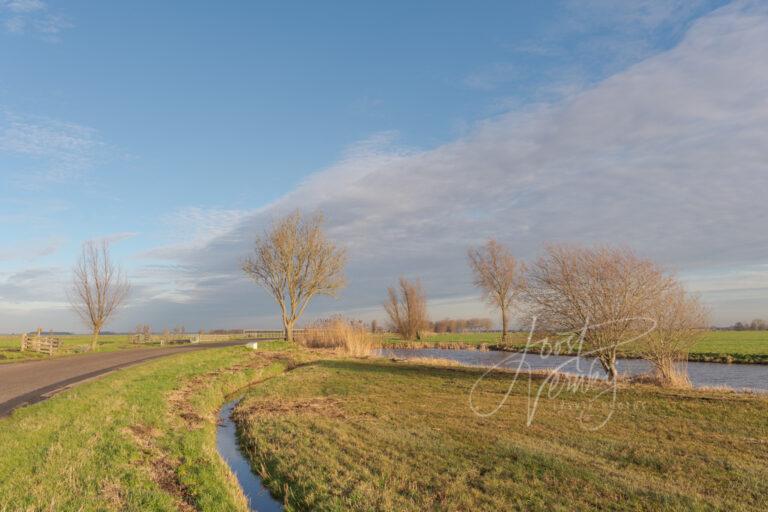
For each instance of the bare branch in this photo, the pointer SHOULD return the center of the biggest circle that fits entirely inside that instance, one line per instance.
(611, 288)
(294, 262)
(499, 276)
(408, 311)
(99, 288)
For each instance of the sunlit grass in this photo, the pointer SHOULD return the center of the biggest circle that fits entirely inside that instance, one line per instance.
(125, 442)
(10, 346)
(375, 435)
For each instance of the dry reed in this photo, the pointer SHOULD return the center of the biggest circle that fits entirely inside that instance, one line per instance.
(348, 336)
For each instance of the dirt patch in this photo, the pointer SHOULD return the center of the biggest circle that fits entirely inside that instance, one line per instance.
(143, 435)
(113, 493)
(161, 468)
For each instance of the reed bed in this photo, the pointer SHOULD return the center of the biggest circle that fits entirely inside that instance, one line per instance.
(347, 336)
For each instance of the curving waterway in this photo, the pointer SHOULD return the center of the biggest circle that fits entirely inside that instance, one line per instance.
(259, 499)
(753, 377)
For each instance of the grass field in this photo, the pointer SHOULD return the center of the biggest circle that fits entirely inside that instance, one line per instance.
(716, 346)
(374, 435)
(140, 439)
(9, 346)
(370, 434)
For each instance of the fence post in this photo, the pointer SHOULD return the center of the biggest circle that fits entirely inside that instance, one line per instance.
(23, 342)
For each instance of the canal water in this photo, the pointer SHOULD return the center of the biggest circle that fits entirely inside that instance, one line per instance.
(753, 377)
(259, 499)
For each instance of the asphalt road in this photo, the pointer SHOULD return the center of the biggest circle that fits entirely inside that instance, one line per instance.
(30, 382)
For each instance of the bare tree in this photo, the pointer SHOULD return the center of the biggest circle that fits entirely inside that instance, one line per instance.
(681, 321)
(407, 310)
(611, 290)
(294, 261)
(99, 288)
(500, 277)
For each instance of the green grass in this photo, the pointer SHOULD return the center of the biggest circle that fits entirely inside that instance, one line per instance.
(10, 352)
(376, 435)
(716, 346)
(741, 342)
(139, 439)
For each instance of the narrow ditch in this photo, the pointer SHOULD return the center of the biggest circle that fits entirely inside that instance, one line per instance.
(228, 446)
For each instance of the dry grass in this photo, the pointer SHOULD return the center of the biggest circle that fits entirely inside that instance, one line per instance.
(672, 375)
(430, 361)
(402, 437)
(338, 333)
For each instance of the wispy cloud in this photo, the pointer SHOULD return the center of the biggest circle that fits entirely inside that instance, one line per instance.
(32, 17)
(588, 41)
(38, 284)
(492, 76)
(46, 150)
(192, 227)
(31, 250)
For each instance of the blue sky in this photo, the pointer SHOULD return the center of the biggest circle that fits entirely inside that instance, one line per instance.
(179, 130)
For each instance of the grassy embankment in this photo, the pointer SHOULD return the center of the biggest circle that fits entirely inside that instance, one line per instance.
(140, 439)
(716, 346)
(377, 435)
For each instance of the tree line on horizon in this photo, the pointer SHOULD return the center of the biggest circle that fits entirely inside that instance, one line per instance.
(758, 324)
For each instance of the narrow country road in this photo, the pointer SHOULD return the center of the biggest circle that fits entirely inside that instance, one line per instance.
(30, 382)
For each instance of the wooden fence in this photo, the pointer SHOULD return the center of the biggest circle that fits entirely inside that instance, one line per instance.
(141, 338)
(177, 338)
(267, 334)
(38, 343)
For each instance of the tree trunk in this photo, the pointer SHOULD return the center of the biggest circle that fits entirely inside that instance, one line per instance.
(608, 361)
(503, 325)
(95, 339)
(288, 330)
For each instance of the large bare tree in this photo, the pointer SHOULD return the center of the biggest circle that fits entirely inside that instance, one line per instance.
(681, 321)
(294, 261)
(609, 289)
(99, 287)
(407, 310)
(499, 275)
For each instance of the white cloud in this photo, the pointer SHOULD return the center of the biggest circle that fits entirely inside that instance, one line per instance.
(667, 156)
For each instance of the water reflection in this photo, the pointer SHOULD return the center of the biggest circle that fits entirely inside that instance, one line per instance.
(736, 376)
